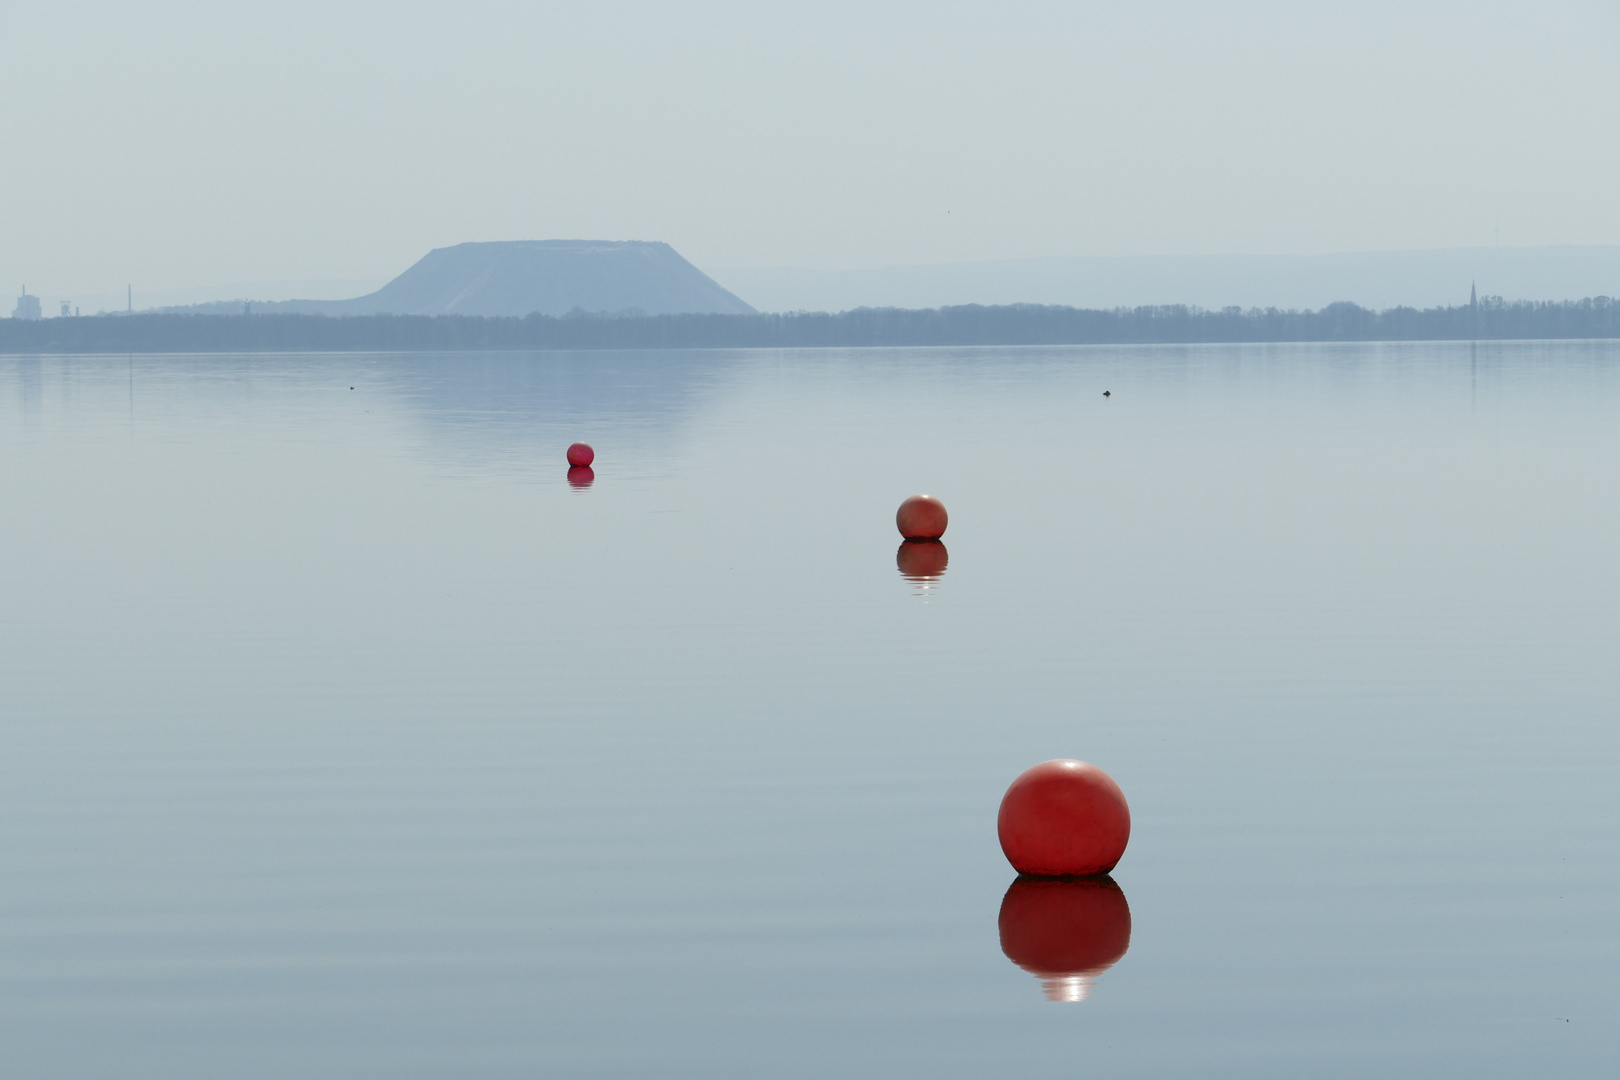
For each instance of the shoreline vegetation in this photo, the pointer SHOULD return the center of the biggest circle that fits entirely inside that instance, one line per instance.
(1491, 319)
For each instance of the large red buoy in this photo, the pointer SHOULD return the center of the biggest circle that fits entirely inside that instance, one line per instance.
(581, 454)
(1064, 818)
(1065, 933)
(921, 517)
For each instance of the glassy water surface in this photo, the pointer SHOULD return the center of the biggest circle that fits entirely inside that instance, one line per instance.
(344, 733)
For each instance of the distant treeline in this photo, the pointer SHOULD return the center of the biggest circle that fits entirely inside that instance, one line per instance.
(1019, 324)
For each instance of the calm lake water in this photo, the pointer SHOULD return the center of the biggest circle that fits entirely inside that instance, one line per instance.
(341, 736)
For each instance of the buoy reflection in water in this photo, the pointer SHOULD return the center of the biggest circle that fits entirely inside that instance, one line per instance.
(1065, 931)
(922, 562)
(581, 476)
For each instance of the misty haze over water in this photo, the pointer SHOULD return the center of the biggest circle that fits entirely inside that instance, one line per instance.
(892, 134)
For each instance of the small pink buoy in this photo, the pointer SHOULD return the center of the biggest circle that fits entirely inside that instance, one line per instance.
(1063, 818)
(921, 517)
(581, 454)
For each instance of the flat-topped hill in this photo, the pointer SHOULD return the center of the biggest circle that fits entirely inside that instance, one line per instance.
(519, 277)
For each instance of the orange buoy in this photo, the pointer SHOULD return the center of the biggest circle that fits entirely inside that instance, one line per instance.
(1065, 933)
(1063, 818)
(581, 454)
(921, 517)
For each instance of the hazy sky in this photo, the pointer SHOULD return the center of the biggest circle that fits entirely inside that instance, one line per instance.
(174, 144)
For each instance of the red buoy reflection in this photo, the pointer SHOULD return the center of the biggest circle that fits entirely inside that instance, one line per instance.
(922, 562)
(1065, 931)
(581, 476)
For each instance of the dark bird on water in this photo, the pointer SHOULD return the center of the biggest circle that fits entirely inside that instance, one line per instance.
(1107, 393)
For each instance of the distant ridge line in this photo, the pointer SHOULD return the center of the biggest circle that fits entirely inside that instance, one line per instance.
(511, 278)
(1018, 324)
(1373, 279)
